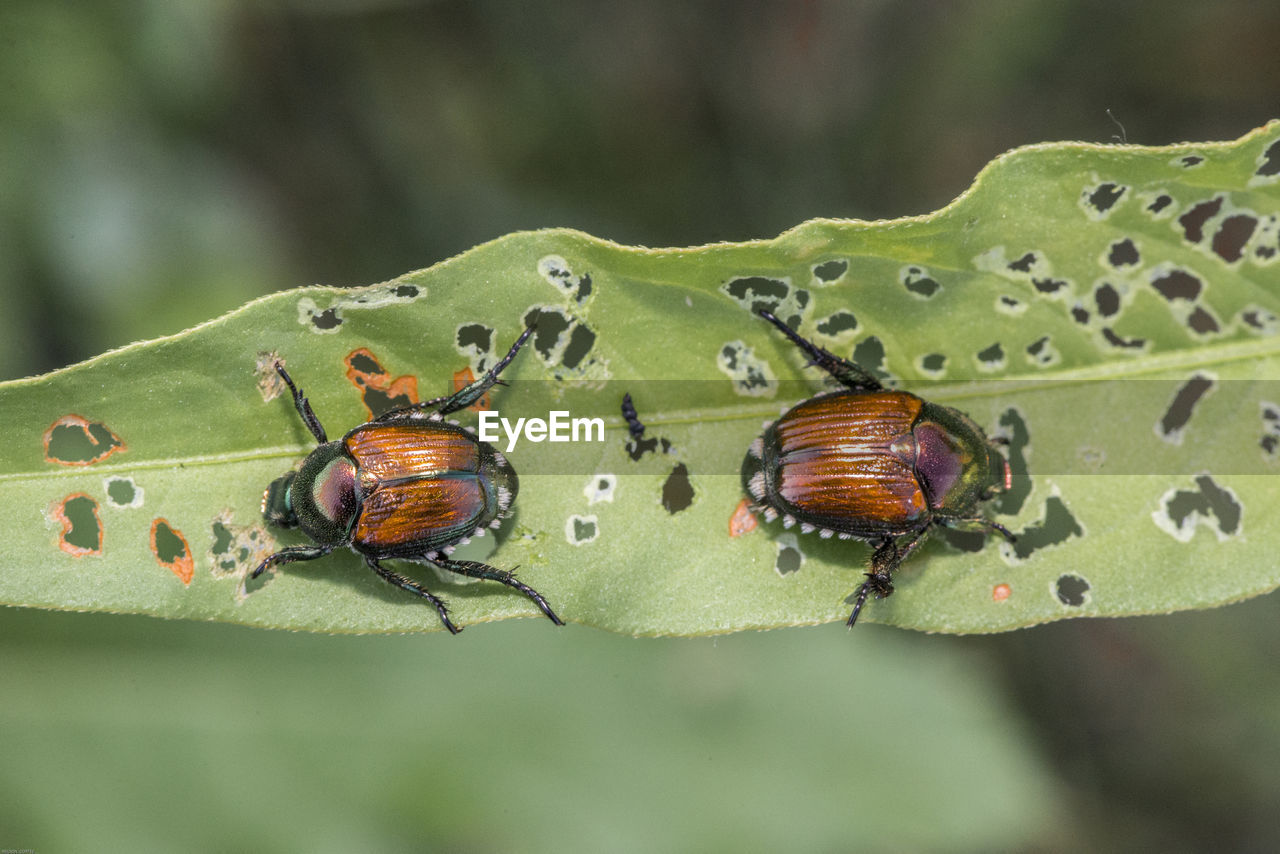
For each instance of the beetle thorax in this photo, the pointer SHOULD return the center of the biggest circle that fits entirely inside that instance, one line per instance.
(324, 495)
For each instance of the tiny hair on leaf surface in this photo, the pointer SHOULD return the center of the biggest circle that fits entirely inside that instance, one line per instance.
(1105, 312)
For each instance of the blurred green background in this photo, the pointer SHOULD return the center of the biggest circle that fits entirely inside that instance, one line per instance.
(161, 163)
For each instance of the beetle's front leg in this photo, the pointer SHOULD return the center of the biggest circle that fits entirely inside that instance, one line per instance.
(303, 406)
(475, 569)
(851, 376)
(290, 555)
(465, 397)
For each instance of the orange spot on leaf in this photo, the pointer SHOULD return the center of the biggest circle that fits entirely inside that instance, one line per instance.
(464, 378)
(172, 551)
(743, 520)
(81, 525)
(74, 440)
(1000, 592)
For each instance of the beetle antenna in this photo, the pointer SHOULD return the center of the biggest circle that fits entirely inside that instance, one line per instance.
(303, 406)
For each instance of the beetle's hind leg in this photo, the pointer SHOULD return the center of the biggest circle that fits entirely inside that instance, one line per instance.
(888, 556)
(417, 589)
(851, 376)
(303, 406)
(475, 569)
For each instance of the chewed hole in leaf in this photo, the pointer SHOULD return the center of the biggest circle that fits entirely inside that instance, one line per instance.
(555, 270)
(74, 440)
(81, 525)
(1099, 200)
(919, 283)
(171, 551)
(378, 391)
(750, 374)
(1057, 525)
(789, 557)
(563, 342)
(756, 293)
(580, 530)
(1123, 253)
(838, 324)
(1193, 221)
(1175, 419)
(600, 488)
(829, 272)
(1182, 511)
(1232, 235)
(122, 492)
(991, 358)
(318, 320)
(677, 490)
(1071, 590)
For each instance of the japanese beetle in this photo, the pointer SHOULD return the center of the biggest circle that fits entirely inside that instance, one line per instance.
(407, 485)
(872, 464)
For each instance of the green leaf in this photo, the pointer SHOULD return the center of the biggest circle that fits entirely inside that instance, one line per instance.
(1111, 310)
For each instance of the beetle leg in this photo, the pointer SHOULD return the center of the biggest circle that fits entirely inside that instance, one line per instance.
(291, 554)
(413, 587)
(888, 556)
(992, 526)
(851, 376)
(303, 406)
(475, 569)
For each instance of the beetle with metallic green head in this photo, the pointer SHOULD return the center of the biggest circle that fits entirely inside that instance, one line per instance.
(407, 485)
(872, 464)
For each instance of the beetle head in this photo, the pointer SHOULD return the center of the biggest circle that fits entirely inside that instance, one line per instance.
(276, 506)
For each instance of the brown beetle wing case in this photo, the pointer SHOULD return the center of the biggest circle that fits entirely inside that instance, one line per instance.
(421, 485)
(846, 461)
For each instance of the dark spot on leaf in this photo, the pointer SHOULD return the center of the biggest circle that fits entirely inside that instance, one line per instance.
(475, 336)
(171, 550)
(841, 321)
(550, 323)
(581, 339)
(221, 539)
(1023, 264)
(1049, 286)
(1193, 221)
(1105, 196)
(1271, 161)
(1107, 299)
(830, 271)
(870, 355)
(81, 525)
(584, 530)
(1177, 284)
(1184, 402)
(637, 448)
(1159, 203)
(1232, 235)
(1258, 319)
(1209, 499)
(788, 560)
(1202, 322)
(922, 287)
(1014, 426)
(992, 355)
(1123, 253)
(677, 491)
(405, 291)
(121, 491)
(933, 362)
(327, 319)
(1009, 301)
(757, 292)
(1123, 343)
(1071, 590)
(1080, 314)
(363, 362)
(1035, 348)
(1269, 443)
(73, 440)
(1057, 527)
